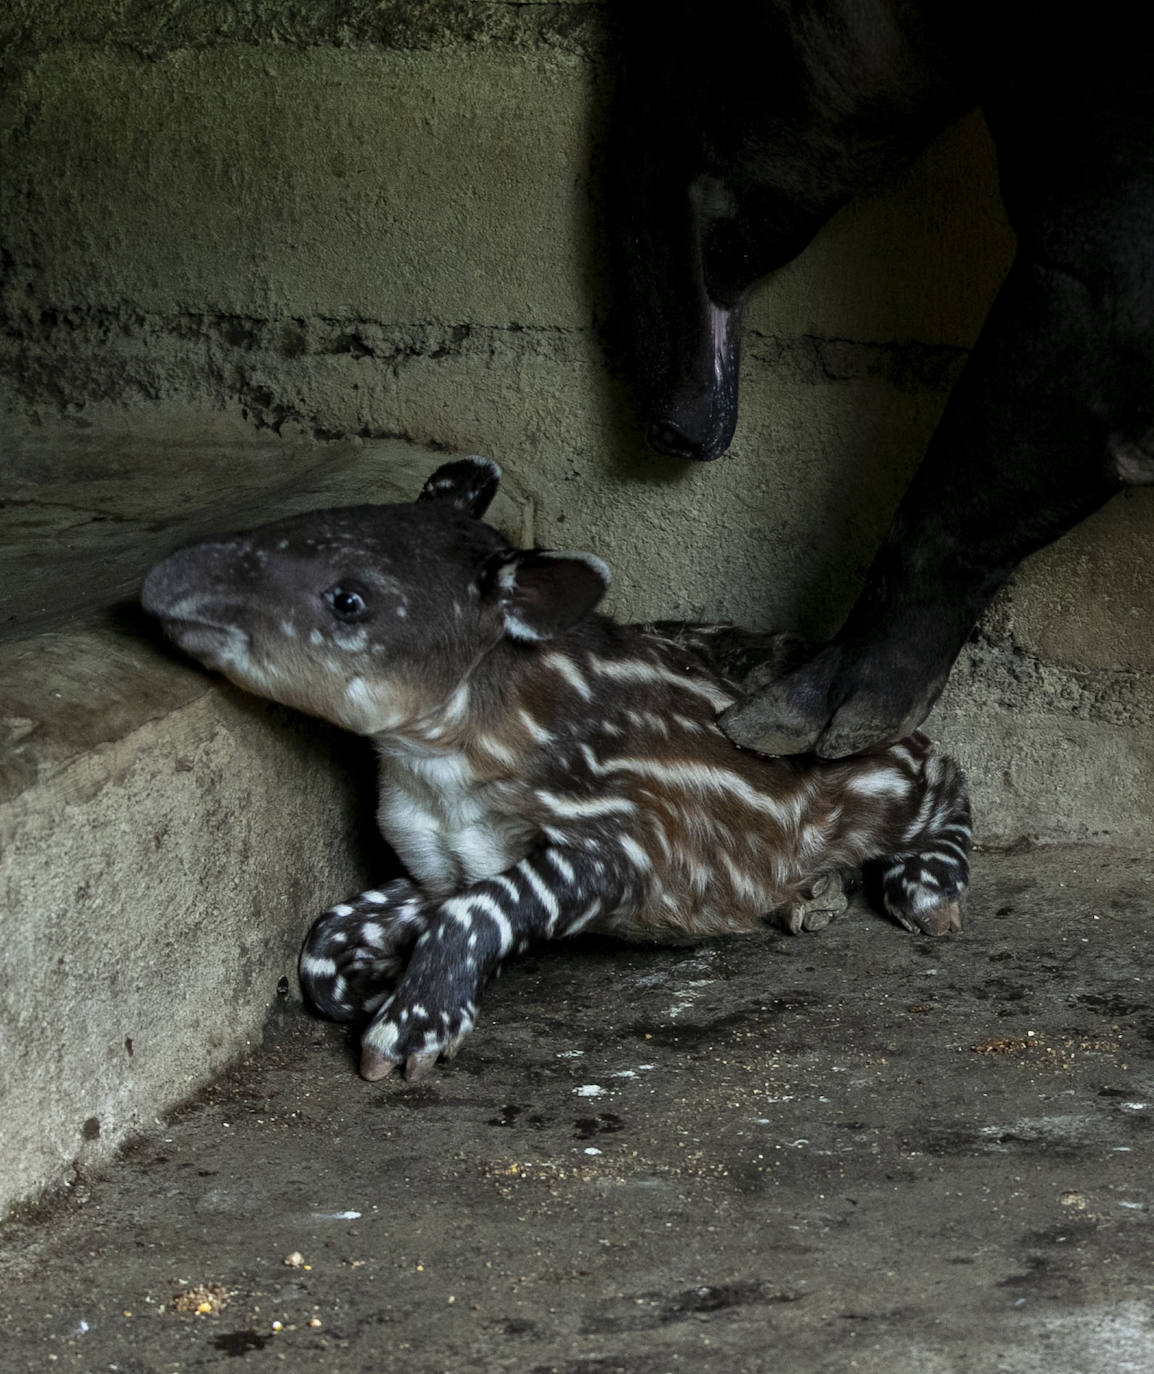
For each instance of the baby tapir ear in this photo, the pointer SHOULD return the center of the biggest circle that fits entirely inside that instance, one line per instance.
(541, 593)
(468, 484)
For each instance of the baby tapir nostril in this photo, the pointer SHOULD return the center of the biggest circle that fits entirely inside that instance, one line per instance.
(164, 588)
(172, 586)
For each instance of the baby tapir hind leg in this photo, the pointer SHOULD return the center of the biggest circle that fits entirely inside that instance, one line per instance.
(923, 886)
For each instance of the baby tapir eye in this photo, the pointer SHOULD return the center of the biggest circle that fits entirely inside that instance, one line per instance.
(348, 601)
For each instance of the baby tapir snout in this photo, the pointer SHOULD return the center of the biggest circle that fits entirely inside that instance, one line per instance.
(200, 596)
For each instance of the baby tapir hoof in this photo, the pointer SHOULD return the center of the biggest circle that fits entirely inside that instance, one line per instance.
(825, 900)
(925, 892)
(940, 920)
(389, 1043)
(375, 1065)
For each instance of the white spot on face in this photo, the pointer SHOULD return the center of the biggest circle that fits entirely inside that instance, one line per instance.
(185, 608)
(315, 637)
(372, 712)
(358, 693)
(352, 641)
(288, 629)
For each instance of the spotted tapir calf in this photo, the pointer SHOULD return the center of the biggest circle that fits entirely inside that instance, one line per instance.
(543, 769)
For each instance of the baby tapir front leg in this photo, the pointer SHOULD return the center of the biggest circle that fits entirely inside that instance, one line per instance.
(357, 950)
(555, 891)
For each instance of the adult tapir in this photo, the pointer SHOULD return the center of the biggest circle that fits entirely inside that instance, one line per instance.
(742, 125)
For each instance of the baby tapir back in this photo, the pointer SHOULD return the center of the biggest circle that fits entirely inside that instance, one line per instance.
(543, 769)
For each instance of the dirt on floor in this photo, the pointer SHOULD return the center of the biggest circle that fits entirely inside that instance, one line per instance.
(856, 1150)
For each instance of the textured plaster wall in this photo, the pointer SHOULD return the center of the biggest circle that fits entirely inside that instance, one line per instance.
(382, 219)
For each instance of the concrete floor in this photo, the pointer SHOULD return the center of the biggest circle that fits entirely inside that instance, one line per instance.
(854, 1150)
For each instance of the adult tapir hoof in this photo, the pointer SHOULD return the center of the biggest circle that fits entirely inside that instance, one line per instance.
(831, 706)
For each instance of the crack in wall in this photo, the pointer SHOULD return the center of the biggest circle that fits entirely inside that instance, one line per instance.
(73, 356)
(577, 27)
(908, 364)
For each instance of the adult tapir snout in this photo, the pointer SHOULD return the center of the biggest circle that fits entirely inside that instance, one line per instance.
(692, 394)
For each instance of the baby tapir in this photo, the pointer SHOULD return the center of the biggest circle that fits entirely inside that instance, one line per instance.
(543, 770)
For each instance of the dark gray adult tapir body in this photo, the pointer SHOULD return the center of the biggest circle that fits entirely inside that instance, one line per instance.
(742, 126)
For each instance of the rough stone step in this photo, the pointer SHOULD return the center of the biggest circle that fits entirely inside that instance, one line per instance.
(164, 839)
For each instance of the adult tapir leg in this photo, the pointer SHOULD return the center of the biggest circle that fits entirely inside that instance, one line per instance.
(740, 127)
(1055, 410)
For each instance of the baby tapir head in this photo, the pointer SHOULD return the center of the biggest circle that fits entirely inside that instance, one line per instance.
(371, 616)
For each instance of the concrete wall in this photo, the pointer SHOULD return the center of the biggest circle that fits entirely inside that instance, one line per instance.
(381, 220)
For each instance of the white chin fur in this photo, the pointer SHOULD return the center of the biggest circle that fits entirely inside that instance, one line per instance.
(215, 646)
